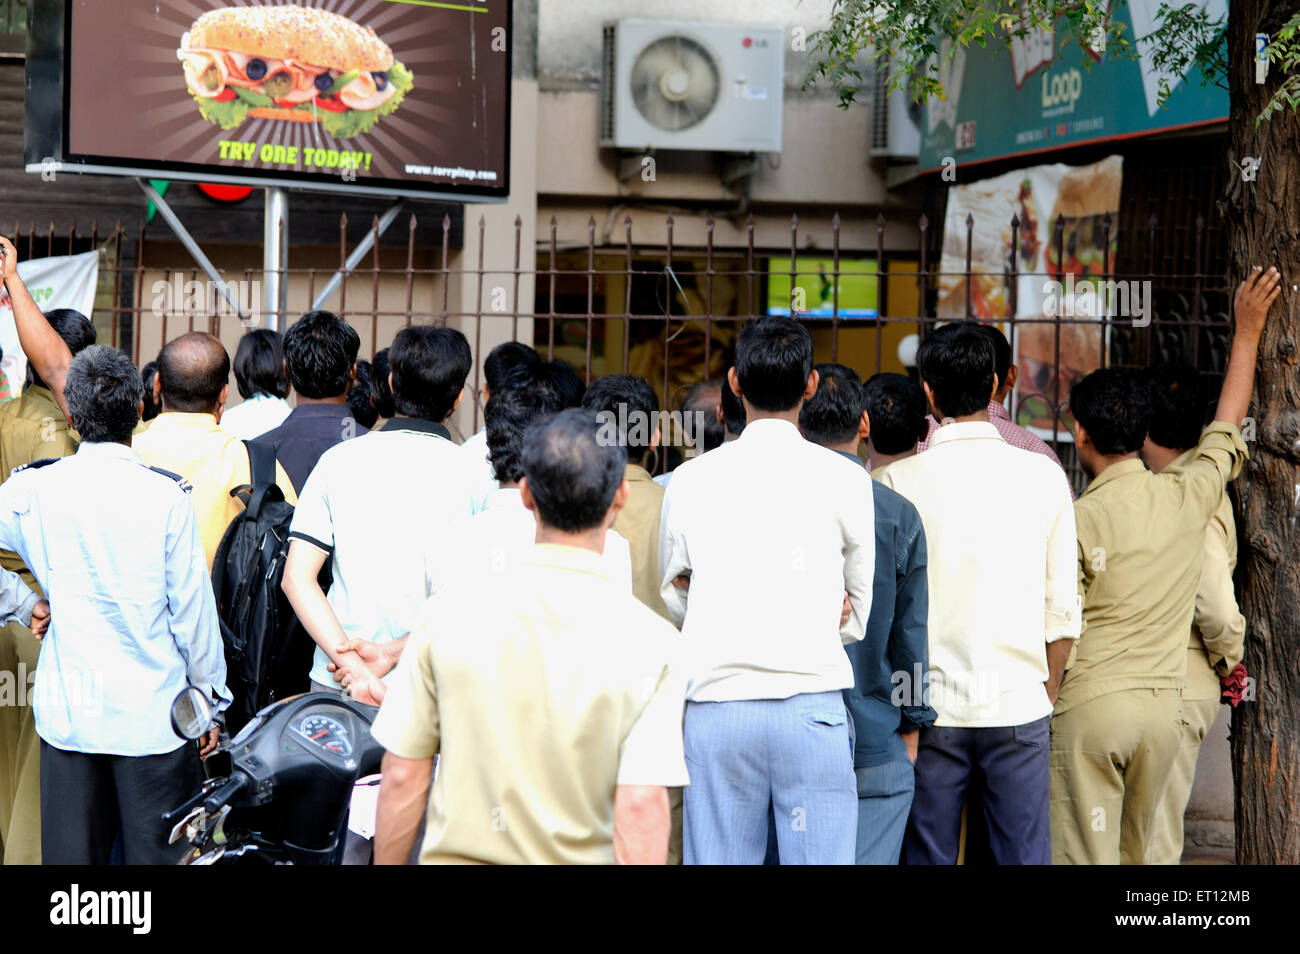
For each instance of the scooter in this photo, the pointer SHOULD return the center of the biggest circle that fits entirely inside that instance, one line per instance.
(292, 769)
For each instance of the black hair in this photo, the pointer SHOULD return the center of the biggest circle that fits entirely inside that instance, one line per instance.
(700, 415)
(151, 406)
(361, 397)
(429, 368)
(320, 349)
(628, 404)
(508, 414)
(572, 475)
(380, 369)
(774, 357)
(76, 331)
(958, 362)
(1178, 405)
(1113, 407)
(259, 365)
(896, 408)
(1001, 352)
(504, 358)
(103, 391)
(832, 415)
(193, 369)
(557, 378)
(733, 410)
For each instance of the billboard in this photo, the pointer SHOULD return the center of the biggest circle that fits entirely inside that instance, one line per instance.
(812, 294)
(1037, 196)
(1030, 94)
(380, 96)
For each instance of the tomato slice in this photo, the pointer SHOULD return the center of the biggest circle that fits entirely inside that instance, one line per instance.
(225, 96)
(331, 104)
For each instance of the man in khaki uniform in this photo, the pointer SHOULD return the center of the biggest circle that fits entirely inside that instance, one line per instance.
(558, 734)
(1219, 629)
(629, 415)
(1118, 718)
(31, 428)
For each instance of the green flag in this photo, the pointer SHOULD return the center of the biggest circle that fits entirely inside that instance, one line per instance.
(161, 185)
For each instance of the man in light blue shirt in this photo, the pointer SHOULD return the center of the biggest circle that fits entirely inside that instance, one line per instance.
(116, 547)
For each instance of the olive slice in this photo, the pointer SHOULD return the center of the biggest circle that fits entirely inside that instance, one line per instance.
(381, 80)
(278, 85)
(255, 69)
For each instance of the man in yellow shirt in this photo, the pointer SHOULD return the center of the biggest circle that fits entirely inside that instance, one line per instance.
(558, 733)
(32, 427)
(192, 383)
(1118, 717)
(1218, 630)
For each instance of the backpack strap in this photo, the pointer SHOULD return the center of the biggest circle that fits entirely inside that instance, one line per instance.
(261, 466)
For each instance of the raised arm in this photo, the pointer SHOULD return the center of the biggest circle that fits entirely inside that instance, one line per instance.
(45, 350)
(1255, 295)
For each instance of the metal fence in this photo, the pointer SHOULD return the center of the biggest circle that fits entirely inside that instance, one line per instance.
(669, 308)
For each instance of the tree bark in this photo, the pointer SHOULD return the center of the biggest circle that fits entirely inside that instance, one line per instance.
(1263, 220)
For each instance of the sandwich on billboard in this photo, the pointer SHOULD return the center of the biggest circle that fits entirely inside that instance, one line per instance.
(392, 96)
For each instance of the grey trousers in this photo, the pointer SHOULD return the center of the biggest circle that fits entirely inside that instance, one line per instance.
(795, 755)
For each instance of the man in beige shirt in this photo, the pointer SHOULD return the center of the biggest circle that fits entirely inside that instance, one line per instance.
(1118, 718)
(1218, 629)
(185, 439)
(1003, 614)
(629, 412)
(558, 733)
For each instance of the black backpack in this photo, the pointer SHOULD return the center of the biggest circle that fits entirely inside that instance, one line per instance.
(268, 653)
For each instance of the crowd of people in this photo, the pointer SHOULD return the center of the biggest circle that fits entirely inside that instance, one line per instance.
(863, 622)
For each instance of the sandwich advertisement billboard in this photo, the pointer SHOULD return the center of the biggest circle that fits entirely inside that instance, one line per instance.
(390, 96)
(1072, 284)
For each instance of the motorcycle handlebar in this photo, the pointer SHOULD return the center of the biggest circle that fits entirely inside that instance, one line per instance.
(224, 793)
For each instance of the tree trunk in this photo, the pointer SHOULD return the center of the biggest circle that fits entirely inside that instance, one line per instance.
(1263, 219)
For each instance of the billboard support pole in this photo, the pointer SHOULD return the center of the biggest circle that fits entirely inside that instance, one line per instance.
(358, 253)
(275, 257)
(192, 247)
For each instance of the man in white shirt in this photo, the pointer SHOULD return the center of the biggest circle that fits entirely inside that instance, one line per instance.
(501, 360)
(491, 543)
(262, 383)
(374, 506)
(1004, 611)
(760, 541)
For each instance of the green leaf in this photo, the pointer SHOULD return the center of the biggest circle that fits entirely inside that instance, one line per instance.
(226, 115)
(357, 122)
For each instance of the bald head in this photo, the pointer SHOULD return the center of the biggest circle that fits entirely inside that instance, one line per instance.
(192, 373)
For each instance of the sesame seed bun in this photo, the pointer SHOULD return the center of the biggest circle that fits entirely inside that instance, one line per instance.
(311, 36)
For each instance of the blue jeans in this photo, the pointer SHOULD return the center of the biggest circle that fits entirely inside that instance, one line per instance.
(884, 800)
(1012, 760)
(794, 755)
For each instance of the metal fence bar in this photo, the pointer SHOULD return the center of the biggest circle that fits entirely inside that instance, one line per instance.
(708, 287)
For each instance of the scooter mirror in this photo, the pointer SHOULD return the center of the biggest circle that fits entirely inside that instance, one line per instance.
(191, 713)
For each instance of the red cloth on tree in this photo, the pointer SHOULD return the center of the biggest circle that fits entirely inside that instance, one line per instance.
(1234, 685)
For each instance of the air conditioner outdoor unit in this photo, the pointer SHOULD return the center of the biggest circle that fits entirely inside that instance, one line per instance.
(895, 121)
(669, 84)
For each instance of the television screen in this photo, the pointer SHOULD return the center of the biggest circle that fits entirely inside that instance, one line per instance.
(812, 293)
(368, 95)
